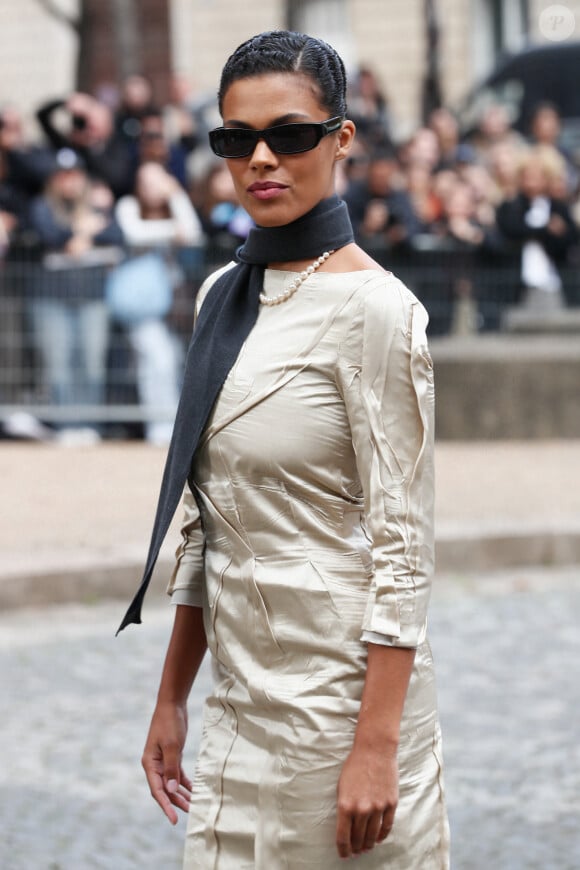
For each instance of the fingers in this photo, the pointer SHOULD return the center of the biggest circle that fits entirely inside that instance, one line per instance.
(168, 784)
(369, 837)
(343, 834)
(360, 832)
(185, 780)
(179, 794)
(159, 794)
(170, 795)
(385, 828)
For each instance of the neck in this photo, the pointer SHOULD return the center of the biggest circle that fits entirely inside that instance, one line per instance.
(295, 245)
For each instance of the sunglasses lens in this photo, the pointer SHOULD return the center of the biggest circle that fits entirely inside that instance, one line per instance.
(232, 142)
(293, 138)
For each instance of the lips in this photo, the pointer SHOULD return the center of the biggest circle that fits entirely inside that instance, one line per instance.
(264, 185)
(266, 189)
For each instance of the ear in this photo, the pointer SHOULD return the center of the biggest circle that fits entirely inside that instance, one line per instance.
(345, 139)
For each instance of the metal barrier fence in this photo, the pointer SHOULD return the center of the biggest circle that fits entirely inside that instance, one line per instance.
(107, 377)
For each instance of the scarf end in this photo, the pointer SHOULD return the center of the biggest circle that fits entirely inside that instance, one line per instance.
(133, 614)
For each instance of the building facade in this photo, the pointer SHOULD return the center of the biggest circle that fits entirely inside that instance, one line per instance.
(389, 36)
(194, 37)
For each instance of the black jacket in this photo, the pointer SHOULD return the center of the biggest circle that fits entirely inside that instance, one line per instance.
(511, 221)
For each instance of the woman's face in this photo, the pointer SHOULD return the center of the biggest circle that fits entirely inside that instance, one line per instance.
(151, 185)
(533, 178)
(276, 189)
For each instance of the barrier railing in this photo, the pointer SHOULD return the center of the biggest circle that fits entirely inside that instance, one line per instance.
(101, 377)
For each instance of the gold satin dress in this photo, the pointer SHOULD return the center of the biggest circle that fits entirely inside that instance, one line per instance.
(313, 536)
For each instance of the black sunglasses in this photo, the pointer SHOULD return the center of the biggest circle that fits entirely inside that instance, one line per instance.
(282, 139)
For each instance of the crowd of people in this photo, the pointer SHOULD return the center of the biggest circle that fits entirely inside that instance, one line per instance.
(97, 176)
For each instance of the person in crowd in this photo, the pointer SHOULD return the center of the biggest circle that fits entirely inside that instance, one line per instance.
(178, 117)
(158, 216)
(424, 201)
(459, 219)
(494, 128)
(423, 148)
(446, 128)
(223, 218)
(153, 146)
(136, 100)
(12, 210)
(443, 183)
(486, 196)
(12, 206)
(305, 431)
(542, 225)
(24, 169)
(87, 128)
(79, 240)
(380, 209)
(546, 129)
(369, 109)
(503, 162)
(356, 165)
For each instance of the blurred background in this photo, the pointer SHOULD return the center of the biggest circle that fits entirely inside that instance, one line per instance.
(464, 181)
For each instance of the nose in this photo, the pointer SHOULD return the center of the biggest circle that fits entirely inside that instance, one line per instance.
(263, 155)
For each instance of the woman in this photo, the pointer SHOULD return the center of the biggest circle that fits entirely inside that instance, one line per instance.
(160, 216)
(310, 520)
(542, 225)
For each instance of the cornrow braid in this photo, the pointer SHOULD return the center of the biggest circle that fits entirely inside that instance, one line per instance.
(288, 51)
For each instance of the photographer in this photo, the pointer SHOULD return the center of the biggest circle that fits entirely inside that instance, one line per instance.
(87, 127)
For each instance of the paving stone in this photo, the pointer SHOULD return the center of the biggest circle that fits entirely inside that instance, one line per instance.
(77, 701)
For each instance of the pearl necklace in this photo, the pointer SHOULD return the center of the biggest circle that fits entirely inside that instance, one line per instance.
(296, 283)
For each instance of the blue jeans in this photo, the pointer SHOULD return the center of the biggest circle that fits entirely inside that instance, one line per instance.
(72, 339)
(158, 370)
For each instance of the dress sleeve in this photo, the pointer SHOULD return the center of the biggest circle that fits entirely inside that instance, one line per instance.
(385, 377)
(185, 584)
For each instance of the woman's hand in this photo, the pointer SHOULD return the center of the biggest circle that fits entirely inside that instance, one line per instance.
(368, 792)
(161, 760)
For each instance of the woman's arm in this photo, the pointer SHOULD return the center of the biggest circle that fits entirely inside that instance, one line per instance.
(188, 229)
(384, 374)
(44, 116)
(169, 785)
(139, 231)
(368, 787)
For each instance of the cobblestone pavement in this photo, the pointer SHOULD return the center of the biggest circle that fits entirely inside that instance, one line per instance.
(76, 703)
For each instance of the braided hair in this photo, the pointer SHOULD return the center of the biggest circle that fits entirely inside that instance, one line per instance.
(278, 51)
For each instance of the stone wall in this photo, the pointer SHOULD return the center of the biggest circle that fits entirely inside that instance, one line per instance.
(507, 386)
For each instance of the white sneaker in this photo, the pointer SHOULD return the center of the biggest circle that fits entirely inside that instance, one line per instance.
(82, 436)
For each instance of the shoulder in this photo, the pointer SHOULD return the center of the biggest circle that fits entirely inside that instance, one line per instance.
(126, 205)
(208, 284)
(40, 210)
(385, 298)
(383, 316)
